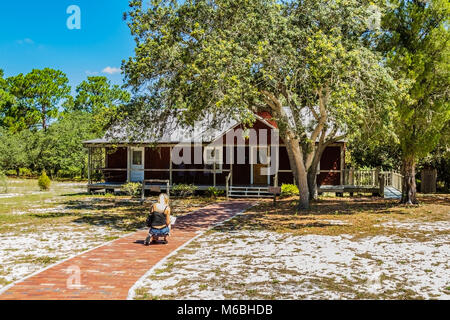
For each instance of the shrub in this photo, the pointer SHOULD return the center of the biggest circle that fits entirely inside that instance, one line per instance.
(25, 172)
(288, 190)
(213, 192)
(3, 183)
(11, 172)
(132, 188)
(183, 190)
(44, 181)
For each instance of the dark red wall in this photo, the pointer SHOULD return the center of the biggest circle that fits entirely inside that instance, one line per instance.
(116, 158)
(331, 160)
(159, 158)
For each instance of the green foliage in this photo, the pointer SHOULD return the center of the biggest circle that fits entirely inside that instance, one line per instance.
(62, 148)
(98, 97)
(374, 153)
(304, 61)
(25, 172)
(44, 181)
(240, 56)
(416, 45)
(13, 153)
(3, 183)
(289, 190)
(35, 135)
(214, 192)
(38, 96)
(7, 100)
(132, 188)
(184, 190)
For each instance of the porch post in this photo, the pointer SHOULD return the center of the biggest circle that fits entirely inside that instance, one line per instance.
(170, 165)
(89, 165)
(214, 173)
(342, 166)
(168, 189)
(231, 160)
(128, 163)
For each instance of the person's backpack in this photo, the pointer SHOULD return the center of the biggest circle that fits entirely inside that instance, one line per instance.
(148, 222)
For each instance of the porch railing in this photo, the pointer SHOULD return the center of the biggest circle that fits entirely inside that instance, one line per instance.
(227, 184)
(372, 178)
(396, 180)
(369, 177)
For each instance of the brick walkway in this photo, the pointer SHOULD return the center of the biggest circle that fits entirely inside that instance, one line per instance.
(109, 271)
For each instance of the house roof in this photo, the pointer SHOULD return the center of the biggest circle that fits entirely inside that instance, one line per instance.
(205, 130)
(173, 132)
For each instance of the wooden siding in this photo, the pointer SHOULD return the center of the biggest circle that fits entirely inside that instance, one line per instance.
(116, 159)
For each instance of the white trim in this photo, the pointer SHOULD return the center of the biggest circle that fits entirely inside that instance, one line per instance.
(128, 164)
(136, 169)
(216, 162)
(131, 291)
(250, 157)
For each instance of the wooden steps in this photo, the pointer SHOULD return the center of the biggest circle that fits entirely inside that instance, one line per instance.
(249, 192)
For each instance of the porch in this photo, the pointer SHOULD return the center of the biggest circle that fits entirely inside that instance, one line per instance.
(237, 180)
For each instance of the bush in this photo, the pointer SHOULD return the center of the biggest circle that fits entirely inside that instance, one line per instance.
(288, 190)
(25, 172)
(3, 183)
(213, 192)
(44, 181)
(132, 188)
(11, 172)
(183, 190)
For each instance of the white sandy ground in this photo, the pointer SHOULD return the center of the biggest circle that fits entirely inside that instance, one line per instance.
(259, 264)
(24, 254)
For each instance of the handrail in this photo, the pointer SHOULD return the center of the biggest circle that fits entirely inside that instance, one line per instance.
(227, 184)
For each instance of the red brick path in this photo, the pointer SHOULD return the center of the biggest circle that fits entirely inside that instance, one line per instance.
(109, 271)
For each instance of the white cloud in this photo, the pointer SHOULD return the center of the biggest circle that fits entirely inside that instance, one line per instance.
(25, 41)
(111, 70)
(91, 73)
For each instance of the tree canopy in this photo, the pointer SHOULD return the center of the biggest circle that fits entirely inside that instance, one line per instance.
(304, 61)
(416, 45)
(42, 126)
(38, 98)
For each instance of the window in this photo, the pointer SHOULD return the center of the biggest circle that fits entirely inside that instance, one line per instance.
(137, 157)
(212, 157)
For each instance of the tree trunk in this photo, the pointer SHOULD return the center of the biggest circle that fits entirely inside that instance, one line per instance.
(44, 120)
(312, 171)
(312, 183)
(298, 169)
(409, 181)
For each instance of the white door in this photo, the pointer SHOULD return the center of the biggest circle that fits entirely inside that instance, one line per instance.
(137, 164)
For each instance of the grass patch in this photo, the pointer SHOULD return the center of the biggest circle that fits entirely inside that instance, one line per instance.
(358, 217)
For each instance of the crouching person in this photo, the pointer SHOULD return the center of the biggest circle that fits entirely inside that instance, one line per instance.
(159, 220)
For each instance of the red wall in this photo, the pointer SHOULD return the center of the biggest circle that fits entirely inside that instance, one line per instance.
(331, 160)
(116, 158)
(159, 158)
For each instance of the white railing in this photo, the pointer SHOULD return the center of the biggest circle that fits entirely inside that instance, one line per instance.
(366, 177)
(371, 177)
(397, 181)
(227, 184)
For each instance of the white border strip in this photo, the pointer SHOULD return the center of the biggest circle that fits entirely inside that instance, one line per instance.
(139, 282)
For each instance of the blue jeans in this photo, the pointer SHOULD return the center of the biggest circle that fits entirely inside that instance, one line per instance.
(159, 232)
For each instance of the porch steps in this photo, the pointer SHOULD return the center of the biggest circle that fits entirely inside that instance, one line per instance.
(249, 192)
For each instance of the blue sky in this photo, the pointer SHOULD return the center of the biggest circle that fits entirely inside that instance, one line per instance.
(34, 34)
